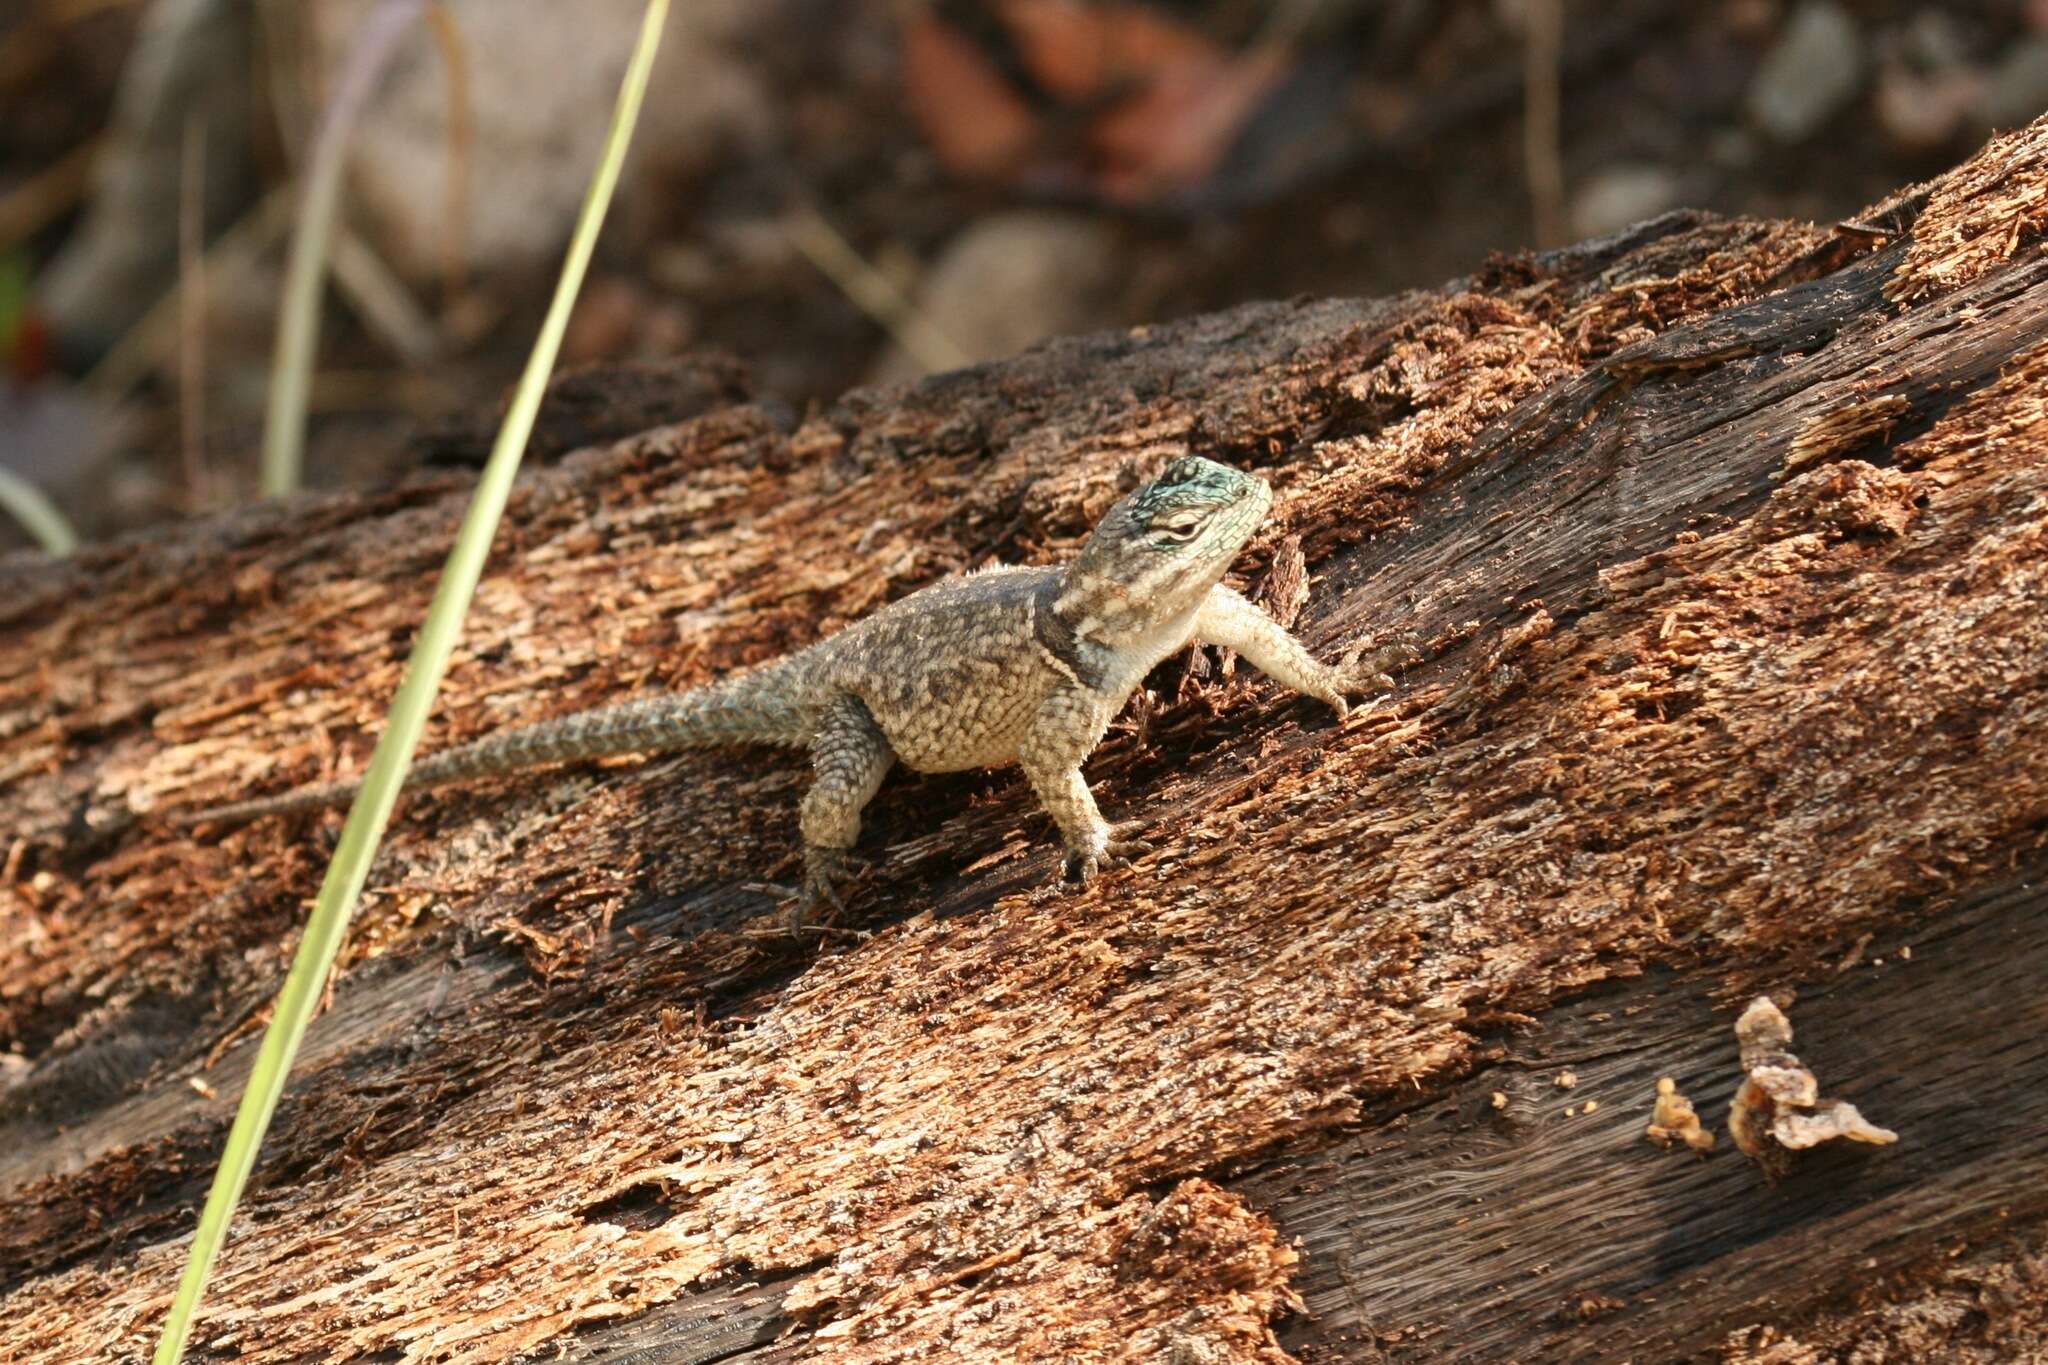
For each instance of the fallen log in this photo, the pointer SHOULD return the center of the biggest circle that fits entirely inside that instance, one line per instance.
(1724, 545)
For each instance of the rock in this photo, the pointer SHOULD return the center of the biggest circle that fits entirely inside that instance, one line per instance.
(1810, 74)
(1617, 196)
(2017, 90)
(1010, 280)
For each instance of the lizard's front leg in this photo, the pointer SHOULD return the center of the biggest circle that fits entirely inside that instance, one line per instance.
(1065, 730)
(851, 756)
(1228, 619)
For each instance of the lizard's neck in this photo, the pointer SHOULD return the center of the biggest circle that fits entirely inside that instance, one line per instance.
(1112, 611)
(1102, 636)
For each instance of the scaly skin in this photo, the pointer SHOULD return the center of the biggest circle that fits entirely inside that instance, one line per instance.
(1007, 665)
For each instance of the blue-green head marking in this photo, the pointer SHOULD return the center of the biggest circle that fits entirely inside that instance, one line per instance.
(1187, 498)
(1161, 549)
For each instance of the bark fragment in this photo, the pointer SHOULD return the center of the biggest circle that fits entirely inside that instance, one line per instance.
(1954, 239)
(1674, 1120)
(1778, 1108)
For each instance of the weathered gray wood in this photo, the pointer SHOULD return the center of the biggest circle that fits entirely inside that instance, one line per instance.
(1464, 1232)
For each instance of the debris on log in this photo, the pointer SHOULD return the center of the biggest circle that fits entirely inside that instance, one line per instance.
(1723, 542)
(1674, 1120)
(1778, 1108)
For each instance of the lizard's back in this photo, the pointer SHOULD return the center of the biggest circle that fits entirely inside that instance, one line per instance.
(953, 673)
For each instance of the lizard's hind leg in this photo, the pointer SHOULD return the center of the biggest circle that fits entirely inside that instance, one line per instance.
(851, 756)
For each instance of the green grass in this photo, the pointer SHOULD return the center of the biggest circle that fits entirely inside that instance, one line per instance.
(37, 514)
(386, 772)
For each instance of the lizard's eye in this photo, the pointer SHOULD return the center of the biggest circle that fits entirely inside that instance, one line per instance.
(1180, 526)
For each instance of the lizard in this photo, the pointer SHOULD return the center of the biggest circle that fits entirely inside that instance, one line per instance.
(1002, 665)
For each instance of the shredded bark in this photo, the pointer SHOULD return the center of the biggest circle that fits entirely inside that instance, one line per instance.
(1688, 702)
(1987, 1307)
(1954, 240)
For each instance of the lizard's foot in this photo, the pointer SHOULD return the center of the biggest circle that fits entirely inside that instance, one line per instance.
(1370, 674)
(821, 870)
(1121, 845)
(1398, 655)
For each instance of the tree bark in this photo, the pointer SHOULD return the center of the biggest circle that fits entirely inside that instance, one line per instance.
(1724, 545)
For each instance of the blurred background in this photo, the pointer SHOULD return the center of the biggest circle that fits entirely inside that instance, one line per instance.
(825, 194)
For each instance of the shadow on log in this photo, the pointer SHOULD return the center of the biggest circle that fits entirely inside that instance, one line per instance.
(1726, 544)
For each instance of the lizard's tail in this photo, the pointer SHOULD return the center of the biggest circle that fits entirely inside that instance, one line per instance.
(735, 711)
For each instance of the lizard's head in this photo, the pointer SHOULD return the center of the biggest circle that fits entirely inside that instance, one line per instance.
(1161, 549)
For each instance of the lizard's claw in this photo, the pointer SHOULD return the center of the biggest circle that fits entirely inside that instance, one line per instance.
(821, 869)
(1124, 844)
(1372, 673)
(1129, 839)
(1398, 655)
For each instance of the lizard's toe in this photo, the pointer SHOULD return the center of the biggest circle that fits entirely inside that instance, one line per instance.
(1396, 656)
(1128, 842)
(1372, 673)
(1371, 682)
(820, 891)
(1123, 843)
